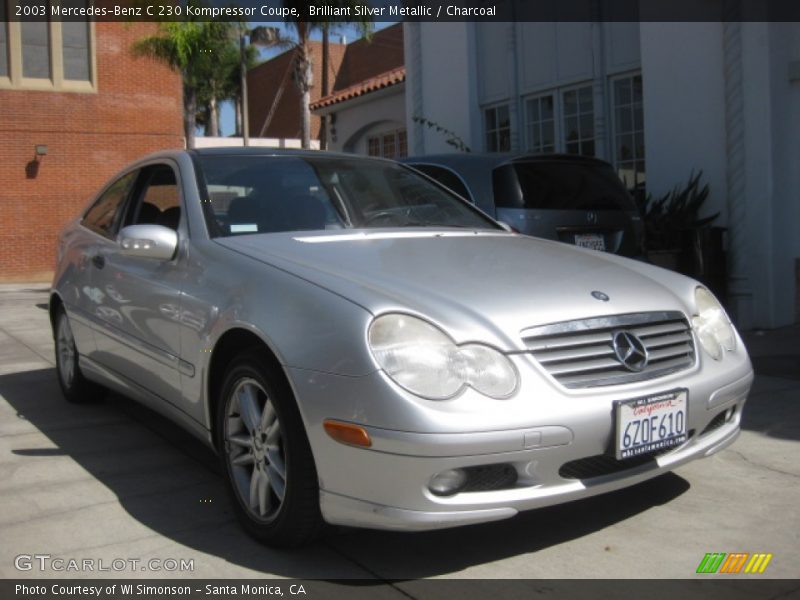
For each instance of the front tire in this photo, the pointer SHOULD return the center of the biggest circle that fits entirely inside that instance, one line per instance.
(266, 455)
(75, 387)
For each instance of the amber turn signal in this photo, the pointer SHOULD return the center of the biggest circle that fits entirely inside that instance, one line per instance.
(347, 433)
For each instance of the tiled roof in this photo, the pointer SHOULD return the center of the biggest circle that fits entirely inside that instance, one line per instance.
(381, 81)
(359, 64)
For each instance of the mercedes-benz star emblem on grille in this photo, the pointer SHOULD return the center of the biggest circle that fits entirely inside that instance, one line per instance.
(630, 351)
(600, 296)
(591, 217)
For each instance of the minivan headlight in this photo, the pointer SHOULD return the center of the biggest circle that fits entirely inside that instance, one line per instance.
(711, 324)
(425, 361)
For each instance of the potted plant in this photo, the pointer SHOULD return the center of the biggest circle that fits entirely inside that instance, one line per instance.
(678, 238)
(672, 218)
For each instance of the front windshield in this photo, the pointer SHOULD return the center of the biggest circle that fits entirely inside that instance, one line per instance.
(267, 194)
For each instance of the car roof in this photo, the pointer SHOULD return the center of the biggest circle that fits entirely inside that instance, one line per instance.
(255, 151)
(266, 151)
(494, 159)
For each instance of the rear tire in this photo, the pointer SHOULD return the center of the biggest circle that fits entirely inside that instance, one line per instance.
(75, 387)
(266, 455)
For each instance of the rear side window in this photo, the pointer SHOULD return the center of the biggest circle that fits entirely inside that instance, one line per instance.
(447, 178)
(560, 186)
(105, 214)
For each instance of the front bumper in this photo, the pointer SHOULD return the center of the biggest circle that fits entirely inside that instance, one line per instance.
(344, 510)
(386, 486)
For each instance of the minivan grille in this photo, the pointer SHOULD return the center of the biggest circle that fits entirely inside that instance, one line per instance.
(581, 353)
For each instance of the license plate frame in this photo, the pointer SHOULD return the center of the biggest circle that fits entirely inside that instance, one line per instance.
(592, 241)
(653, 410)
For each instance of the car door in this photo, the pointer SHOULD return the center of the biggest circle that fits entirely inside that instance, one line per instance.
(82, 299)
(138, 336)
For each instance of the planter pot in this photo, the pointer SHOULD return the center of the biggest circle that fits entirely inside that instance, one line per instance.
(701, 256)
(667, 259)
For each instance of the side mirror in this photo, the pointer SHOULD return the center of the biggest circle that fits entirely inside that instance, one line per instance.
(148, 241)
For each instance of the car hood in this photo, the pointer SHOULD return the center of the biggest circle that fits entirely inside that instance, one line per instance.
(479, 286)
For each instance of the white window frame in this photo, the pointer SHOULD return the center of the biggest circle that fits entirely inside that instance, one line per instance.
(379, 137)
(529, 142)
(557, 94)
(562, 117)
(495, 107)
(56, 81)
(615, 129)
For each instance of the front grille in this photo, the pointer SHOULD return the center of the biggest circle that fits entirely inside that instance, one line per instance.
(602, 464)
(715, 423)
(486, 478)
(580, 354)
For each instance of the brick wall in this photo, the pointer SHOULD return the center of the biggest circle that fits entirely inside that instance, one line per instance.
(365, 59)
(136, 109)
(348, 64)
(263, 83)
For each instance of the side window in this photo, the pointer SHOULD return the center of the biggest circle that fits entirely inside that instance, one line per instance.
(157, 200)
(497, 123)
(447, 178)
(578, 111)
(104, 215)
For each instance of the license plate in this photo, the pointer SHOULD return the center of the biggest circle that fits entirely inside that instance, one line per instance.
(593, 241)
(651, 423)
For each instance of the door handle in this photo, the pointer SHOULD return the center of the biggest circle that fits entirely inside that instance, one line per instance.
(99, 261)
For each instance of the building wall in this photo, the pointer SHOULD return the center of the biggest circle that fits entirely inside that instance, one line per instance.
(723, 98)
(136, 109)
(264, 81)
(359, 63)
(479, 66)
(374, 113)
(365, 58)
(684, 100)
(785, 74)
(440, 86)
(772, 131)
(749, 161)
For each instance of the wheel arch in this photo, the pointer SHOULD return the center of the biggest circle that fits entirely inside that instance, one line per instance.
(229, 345)
(54, 304)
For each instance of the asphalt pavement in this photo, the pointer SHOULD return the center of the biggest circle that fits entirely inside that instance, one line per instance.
(112, 481)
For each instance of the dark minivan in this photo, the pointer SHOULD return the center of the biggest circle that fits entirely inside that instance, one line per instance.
(573, 199)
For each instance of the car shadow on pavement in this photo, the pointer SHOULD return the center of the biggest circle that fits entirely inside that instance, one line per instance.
(772, 408)
(418, 555)
(170, 483)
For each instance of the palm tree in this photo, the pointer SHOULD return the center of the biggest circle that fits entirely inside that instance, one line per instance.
(222, 82)
(303, 77)
(234, 83)
(191, 48)
(303, 73)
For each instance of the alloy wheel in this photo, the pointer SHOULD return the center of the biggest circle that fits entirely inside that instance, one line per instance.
(65, 352)
(254, 450)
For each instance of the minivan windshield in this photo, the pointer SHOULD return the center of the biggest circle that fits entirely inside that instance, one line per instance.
(560, 185)
(265, 194)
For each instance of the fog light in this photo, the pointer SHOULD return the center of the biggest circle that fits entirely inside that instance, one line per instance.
(729, 413)
(448, 482)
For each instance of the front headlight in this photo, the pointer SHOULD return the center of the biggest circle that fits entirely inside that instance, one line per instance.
(711, 324)
(425, 361)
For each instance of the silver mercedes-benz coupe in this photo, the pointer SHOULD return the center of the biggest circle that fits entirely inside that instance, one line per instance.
(362, 347)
